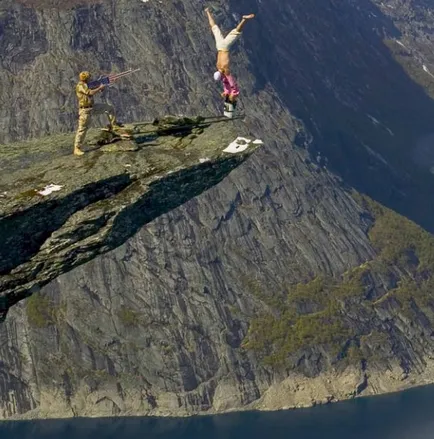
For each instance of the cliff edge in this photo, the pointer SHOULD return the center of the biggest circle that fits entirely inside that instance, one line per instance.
(58, 211)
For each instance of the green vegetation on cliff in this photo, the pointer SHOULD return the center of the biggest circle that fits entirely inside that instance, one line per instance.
(128, 316)
(321, 314)
(42, 311)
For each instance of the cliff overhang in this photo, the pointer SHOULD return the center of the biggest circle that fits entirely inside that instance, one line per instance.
(58, 211)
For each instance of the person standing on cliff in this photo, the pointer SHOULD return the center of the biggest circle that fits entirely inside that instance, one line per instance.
(223, 44)
(87, 108)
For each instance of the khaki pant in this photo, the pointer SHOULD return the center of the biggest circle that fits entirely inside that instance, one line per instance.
(84, 118)
(225, 43)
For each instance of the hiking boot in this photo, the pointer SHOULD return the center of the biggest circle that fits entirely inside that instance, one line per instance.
(78, 151)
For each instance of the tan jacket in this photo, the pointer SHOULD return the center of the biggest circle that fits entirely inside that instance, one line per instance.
(85, 100)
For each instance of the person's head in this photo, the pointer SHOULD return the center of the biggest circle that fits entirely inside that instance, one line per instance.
(84, 76)
(217, 76)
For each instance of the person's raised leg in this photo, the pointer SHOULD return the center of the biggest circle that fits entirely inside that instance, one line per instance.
(218, 36)
(235, 34)
(241, 24)
(210, 18)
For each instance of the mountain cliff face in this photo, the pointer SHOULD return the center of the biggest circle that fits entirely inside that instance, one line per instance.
(99, 202)
(282, 286)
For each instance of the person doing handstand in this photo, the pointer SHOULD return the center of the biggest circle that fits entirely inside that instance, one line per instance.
(223, 44)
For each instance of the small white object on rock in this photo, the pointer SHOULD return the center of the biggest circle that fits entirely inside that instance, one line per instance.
(206, 159)
(258, 142)
(49, 189)
(240, 144)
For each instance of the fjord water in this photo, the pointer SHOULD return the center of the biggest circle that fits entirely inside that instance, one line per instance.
(404, 415)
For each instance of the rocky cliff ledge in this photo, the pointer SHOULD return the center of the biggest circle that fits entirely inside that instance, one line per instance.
(58, 211)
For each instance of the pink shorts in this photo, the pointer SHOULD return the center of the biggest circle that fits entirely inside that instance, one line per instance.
(230, 86)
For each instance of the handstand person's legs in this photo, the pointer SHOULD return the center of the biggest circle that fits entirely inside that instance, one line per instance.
(210, 17)
(219, 39)
(235, 34)
(241, 24)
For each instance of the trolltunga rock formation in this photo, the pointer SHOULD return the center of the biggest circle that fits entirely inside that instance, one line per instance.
(58, 211)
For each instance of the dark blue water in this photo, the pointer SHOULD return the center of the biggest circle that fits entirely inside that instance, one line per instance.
(406, 415)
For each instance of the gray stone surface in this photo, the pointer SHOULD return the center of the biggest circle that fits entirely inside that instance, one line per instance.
(58, 211)
(155, 326)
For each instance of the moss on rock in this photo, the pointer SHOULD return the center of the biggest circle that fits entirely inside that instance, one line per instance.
(320, 314)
